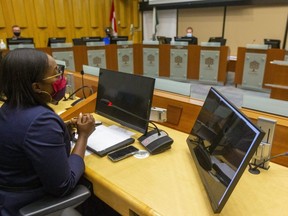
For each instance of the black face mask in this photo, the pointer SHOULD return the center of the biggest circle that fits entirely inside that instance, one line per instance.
(17, 34)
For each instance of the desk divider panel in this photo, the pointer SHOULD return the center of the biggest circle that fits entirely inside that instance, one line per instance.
(209, 64)
(64, 52)
(254, 68)
(182, 88)
(151, 61)
(178, 61)
(125, 56)
(96, 58)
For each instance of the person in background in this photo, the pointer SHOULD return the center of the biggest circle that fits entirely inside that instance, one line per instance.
(189, 33)
(109, 34)
(35, 154)
(16, 31)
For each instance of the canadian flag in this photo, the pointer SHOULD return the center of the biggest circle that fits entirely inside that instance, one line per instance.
(113, 19)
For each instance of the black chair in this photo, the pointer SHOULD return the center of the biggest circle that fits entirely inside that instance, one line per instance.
(57, 206)
(221, 40)
(273, 43)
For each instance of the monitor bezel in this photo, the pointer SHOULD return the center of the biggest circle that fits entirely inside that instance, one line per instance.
(56, 40)
(190, 40)
(271, 42)
(16, 41)
(91, 39)
(148, 94)
(221, 40)
(217, 205)
(114, 39)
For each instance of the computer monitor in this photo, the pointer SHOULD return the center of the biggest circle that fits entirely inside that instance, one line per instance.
(221, 40)
(222, 142)
(91, 39)
(56, 40)
(164, 40)
(273, 43)
(190, 40)
(77, 42)
(113, 40)
(16, 41)
(125, 91)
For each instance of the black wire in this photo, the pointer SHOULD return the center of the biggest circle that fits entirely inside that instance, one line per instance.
(83, 92)
(81, 88)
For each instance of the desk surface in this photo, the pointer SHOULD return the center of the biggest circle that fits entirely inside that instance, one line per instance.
(168, 184)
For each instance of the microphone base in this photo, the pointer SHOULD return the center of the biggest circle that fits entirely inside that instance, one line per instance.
(254, 171)
(156, 141)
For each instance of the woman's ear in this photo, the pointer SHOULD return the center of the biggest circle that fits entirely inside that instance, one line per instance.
(36, 87)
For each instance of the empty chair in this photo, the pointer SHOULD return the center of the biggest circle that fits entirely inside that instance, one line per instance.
(221, 40)
(273, 43)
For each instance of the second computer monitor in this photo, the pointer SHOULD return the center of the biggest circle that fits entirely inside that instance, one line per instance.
(190, 40)
(113, 40)
(221, 40)
(273, 43)
(56, 40)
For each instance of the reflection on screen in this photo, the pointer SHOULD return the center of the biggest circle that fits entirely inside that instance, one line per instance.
(222, 142)
(131, 93)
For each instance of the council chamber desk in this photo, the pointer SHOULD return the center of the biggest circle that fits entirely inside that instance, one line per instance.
(168, 184)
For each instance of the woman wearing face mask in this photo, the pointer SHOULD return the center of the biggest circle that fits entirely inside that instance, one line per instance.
(35, 156)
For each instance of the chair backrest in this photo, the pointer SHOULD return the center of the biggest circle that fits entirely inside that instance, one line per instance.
(273, 43)
(49, 205)
(218, 39)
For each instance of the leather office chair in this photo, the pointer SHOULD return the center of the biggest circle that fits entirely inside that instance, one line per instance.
(57, 206)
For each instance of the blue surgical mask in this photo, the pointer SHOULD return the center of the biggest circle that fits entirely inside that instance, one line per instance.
(189, 34)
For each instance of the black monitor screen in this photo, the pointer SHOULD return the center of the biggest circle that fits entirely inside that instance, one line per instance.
(273, 43)
(91, 39)
(15, 41)
(222, 142)
(164, 40)
(220, 40)
(129, 92)
(78, 42)
(190, 40)
(56, 40)
(113, 40)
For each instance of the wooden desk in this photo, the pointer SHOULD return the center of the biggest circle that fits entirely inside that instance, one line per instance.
(168, 184)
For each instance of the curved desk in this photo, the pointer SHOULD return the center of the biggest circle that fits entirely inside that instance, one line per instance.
(168, 184)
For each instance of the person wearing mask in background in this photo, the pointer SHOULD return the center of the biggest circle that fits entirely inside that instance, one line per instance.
(35, 156)
(189, 33)
(16, 31)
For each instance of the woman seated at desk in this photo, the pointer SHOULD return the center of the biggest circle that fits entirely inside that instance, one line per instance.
(35, 154)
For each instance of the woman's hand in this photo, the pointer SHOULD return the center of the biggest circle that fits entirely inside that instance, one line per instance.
(85, 125)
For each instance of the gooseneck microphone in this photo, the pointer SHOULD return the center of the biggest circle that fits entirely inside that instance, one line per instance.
(110, 104)
(255, 170)
(79, 89)
(155, 141)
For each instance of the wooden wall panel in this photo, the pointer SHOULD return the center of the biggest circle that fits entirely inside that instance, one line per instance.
(59, 7)
(2, 21)
(77, 7)
(20, 13)
(94, 9)
(122, 13)
(40, 13)
(42, 19)
(135, 14)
